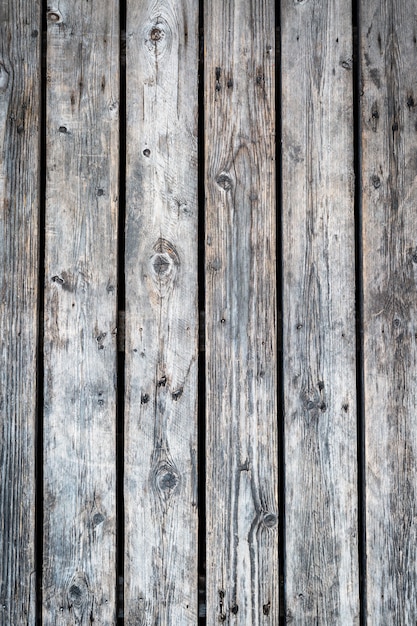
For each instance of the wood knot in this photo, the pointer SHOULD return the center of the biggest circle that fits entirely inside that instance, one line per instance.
(314, 402)
(165, 478)
(376, 181)
(164, 262)
(156, 34)
(161, 264)
(98, 518)
(270, 520)
(65, 280)
(158, 38)
(224, 181)
(78, 595)
(54, 16)
(176, 395)
(347, 64)
(100, 339)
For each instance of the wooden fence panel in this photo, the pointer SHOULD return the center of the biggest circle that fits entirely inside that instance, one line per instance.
(81, 312)
(241, 406)
(161, 313)
(20, 28)
(321, 552)
(389, 170)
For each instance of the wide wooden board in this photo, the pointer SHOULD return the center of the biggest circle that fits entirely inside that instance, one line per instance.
(241, 349)
(20, 34)
(80, 347)
(388, 42)
(161, 313)
(321, 540)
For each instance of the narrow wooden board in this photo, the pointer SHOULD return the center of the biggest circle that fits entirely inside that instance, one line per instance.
(20, 33)
(388, 43)
(321, 546)
(241, 403)
(81, 313)
(161, 313)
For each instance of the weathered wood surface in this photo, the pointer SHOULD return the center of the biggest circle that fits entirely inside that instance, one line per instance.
(321, 552)
(80, 350)
(389, 168)
(19, 252)
(161, 313)
(241, 407)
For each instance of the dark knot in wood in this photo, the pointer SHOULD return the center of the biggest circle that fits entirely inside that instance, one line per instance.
(270, 520)
(164, 263)
(161, 264)
(54, 16)
(78, 594)
(165, 478)
(224, 181)
(156, 34)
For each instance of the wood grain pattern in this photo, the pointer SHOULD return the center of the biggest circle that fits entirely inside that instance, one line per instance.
(389, 169)
(321, 552)
(19, 261)
(161, 313)
(241, 407)
(81, 312)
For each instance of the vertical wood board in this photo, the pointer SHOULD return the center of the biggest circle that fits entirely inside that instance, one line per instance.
(19, 255)
(161, 313)
(321, 551)
(240, 277)
(81, 313)
(388, 42)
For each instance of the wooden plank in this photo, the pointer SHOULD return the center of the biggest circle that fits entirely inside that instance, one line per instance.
(241, 404)
(389, 183)
(321, 552)
(19, 255)
(161, 313)
(81, 312)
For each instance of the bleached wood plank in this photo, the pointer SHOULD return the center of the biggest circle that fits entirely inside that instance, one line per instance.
(241, 403)
(161, 313)
(389, 169)
(80, 313)
(20, 28)
(321, 551)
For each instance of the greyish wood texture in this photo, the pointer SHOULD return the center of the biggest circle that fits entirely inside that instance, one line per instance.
(388, 43)
(321, 552)
(19, 254)
(81, 312)
(161, 313)
(241, 402)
